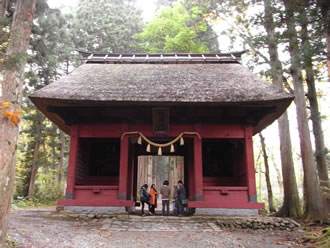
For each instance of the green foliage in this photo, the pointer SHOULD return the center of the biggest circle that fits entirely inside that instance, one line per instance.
(110, 28)
(47, 191)
(21, 203)
(52, 48)
(14, 62)
(174, 29)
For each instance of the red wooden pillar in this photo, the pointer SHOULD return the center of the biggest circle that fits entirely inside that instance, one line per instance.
(71, 176)
(198, 168)
(249, 161)
(123, 171)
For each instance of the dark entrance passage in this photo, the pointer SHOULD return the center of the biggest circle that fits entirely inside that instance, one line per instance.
(223, 162)
(98, 161)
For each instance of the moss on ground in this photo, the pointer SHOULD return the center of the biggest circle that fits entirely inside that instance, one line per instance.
(318, 238)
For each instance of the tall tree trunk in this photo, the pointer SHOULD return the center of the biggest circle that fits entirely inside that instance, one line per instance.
(3, 8)
(324, 6)
(320, 150)
(268, 184)
(260, 181)
(34, 168)
(61, 161)
(12, 92)
(3, 33)
(258, 170)
(314, 208)
(279, 178)
(46, 164)
(291, 205)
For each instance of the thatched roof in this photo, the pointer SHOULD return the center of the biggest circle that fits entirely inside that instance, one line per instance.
(218, 83)
(159, 84)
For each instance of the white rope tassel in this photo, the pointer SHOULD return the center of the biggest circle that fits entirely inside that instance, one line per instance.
(181, 141)
(148, 148)
(172, 148)
(139, 140)
(160, 151)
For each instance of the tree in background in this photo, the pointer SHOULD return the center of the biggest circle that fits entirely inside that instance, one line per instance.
(107, 29)
(310, 50)
(291, 205)
(260, 33)
(175, 29)
(324, 9)
(51, 51)
(208, 10)
(280, 20)
(209, 37)
(12, 92)
(42, 158)
(164, 3)
(314, 207)
(4, 22)
(267, 174)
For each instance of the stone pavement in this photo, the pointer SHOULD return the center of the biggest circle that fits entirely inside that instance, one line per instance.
(158, 224)
(37, 228)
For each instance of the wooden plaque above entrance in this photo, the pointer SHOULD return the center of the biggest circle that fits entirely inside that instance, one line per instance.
(160, 120)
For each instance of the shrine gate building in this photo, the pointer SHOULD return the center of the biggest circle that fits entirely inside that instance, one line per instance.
(204, 107)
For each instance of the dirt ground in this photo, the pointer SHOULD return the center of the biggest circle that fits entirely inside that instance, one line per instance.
(43, 228)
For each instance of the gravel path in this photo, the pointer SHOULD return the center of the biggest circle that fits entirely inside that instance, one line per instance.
(45, 228)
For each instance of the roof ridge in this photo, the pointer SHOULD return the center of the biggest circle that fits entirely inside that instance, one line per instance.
(163, 58)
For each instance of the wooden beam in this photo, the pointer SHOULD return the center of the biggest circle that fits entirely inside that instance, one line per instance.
(123, 170)
(249, 162)
(71, 174)
(198, 169)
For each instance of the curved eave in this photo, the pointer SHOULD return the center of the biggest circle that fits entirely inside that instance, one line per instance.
(279, 106)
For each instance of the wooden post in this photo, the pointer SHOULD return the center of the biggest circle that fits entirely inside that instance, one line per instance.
(123, 171)
(249, 161)
(198, 169)
(71, 177)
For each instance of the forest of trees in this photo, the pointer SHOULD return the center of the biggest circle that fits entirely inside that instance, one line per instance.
(288, 43)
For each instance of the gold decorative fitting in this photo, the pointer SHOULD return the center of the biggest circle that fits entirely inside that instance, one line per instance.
(160, 151)
(181, 141)
(148, 148)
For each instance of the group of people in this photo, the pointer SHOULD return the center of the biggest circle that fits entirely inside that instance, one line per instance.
(150, 198)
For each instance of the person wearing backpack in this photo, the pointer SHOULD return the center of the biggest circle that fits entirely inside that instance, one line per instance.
(144, 197)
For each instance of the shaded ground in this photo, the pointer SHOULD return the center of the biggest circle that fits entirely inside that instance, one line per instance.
(45, 228)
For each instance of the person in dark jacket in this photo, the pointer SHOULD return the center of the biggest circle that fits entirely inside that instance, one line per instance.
(181, 197)
(144, 197)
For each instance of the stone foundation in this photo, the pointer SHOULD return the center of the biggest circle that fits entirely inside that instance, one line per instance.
(226, 211)
(264, 223)
(95, 210)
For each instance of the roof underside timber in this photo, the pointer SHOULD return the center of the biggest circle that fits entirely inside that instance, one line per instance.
(199, 81)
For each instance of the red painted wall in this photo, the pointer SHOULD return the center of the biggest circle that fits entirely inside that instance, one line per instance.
(234, 192)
